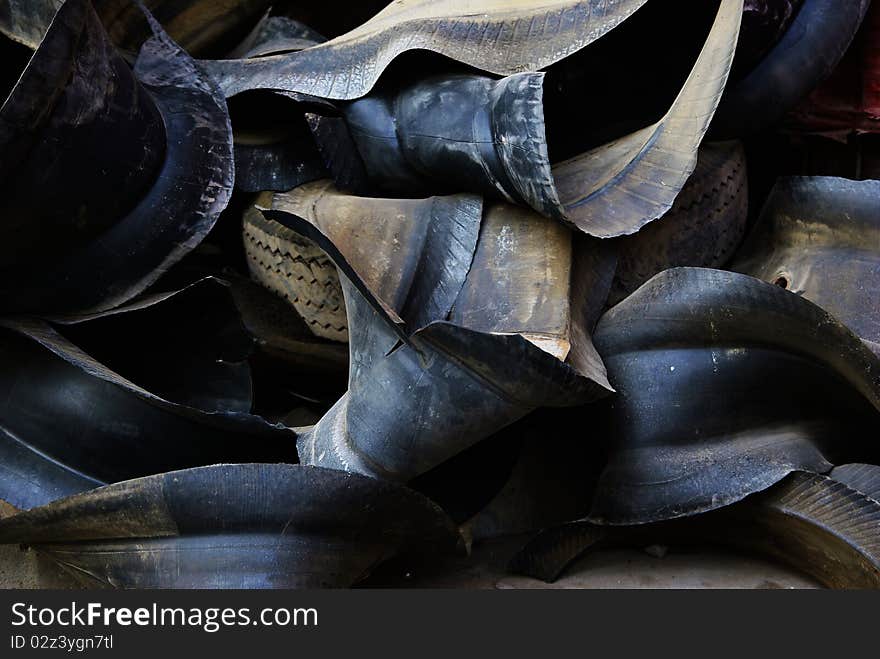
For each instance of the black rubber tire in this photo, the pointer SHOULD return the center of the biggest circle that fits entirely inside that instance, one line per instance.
(299, 271)
(703, 228)
(805, 55)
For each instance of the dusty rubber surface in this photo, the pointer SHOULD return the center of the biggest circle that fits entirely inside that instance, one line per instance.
(623, 568)
(704, 227)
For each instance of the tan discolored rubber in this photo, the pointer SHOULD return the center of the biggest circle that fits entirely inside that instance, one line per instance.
(299, 271)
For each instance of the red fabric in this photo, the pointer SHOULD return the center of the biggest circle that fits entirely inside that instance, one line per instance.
(849, 101)
(871, 84)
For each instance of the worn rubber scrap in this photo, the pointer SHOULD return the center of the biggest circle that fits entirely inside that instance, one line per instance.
(702, 229)
(505, 37)
(109, 176)
(448, 133)
(862, 477)
(26, 21)
(552, 481)
(273, 35)
(475, 133)
(282, 334)
(619, 187)
(455, 318)
(820, 526)
(824, 528)
(808, 51)
(764, 24)
(196, 25)
(547, 555)
(79, 409)
(819, 237)
(726, 384)
(277, 155)
(274, 147)
(296, 269)
(233, 526)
